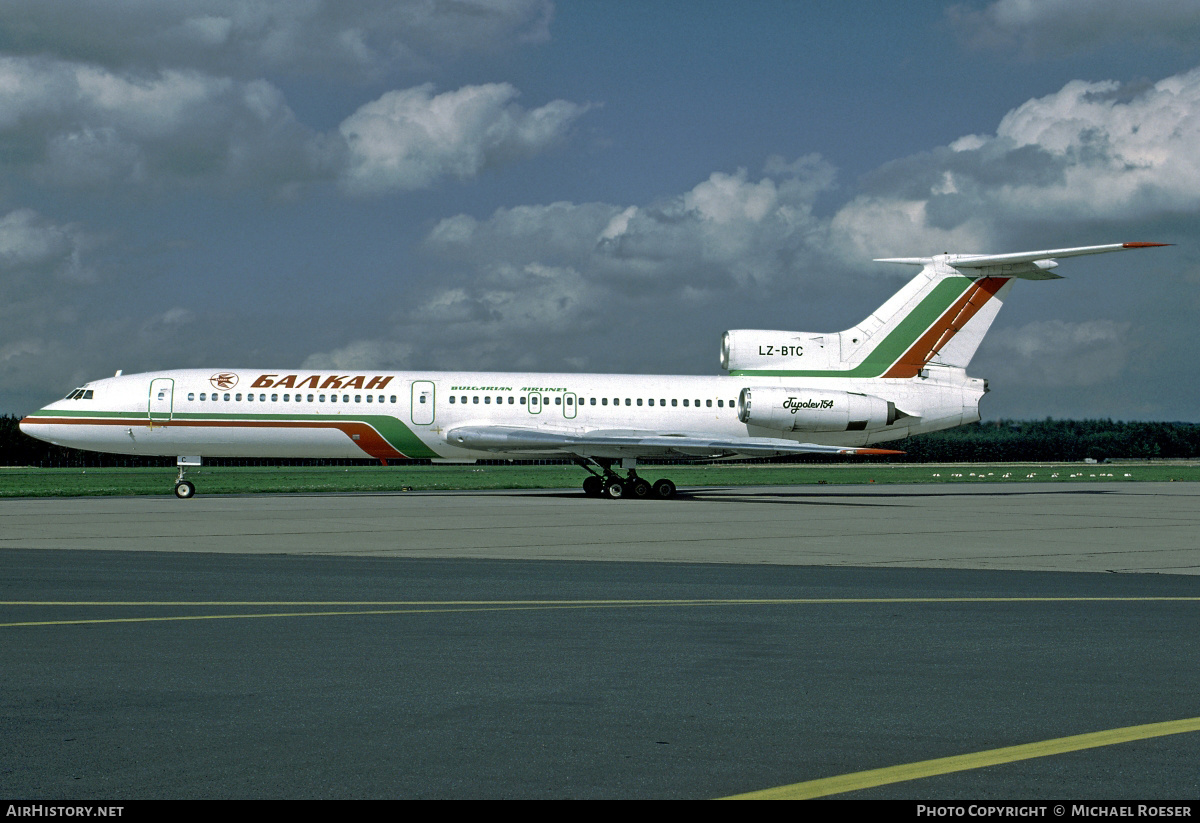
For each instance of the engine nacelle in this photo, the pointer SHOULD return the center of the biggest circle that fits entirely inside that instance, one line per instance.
(765, 349)
(814, 410)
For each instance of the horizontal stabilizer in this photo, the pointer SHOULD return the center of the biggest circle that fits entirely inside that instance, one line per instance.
(979, 261)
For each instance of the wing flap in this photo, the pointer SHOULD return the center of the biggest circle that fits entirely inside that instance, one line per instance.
(632, 443)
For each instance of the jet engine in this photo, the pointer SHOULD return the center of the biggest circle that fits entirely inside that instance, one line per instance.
(815, 410)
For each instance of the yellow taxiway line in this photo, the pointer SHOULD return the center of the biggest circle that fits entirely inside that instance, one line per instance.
(945, 765)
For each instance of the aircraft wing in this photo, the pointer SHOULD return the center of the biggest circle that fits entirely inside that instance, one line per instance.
(617, 443)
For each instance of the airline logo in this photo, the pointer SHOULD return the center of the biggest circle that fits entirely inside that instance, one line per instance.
(224, 380)
(318, 381)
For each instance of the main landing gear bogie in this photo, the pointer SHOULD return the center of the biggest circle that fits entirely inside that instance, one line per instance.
(610, 485)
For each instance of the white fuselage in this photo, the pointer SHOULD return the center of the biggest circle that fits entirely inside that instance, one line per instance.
(299, 413)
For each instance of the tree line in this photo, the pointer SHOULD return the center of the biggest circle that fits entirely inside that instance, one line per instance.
(997, 441)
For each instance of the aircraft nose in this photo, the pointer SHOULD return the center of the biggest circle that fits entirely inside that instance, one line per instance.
(28, 425)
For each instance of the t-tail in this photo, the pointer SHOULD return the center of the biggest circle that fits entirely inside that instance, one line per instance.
(937, 320)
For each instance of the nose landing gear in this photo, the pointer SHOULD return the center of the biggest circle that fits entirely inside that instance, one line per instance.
(185, 489)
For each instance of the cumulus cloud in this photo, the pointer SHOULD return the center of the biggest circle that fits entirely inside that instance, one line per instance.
(407, 139)
(362, 354)
(1052, 27)
(1058, 353)
(546, 287)
(250, 38)
(1088, 153)
(1091, 151)
(42, 269)
(77, 125)
(80, 125)
(33, 247)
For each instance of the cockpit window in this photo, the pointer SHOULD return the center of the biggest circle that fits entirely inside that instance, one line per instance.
(80, 394)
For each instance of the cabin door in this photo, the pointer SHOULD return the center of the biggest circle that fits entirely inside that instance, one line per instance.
(422, 402)
(162, 398)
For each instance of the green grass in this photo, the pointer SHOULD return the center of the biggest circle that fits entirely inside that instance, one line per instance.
(28, 482)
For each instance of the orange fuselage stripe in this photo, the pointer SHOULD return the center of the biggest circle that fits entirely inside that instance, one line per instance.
(368, 439)
(951, 321)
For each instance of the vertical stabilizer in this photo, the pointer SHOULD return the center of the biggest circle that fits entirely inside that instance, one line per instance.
(938, 318)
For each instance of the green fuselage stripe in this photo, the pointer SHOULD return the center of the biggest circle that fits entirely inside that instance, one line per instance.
(897, 342)
(398, 435)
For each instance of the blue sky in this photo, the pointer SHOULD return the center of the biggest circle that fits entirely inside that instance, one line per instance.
(590, 186)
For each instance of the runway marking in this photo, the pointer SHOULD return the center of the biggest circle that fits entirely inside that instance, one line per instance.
(964, 762)
(463, 606)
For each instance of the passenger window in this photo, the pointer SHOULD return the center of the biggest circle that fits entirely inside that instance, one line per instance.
(358, 398)
(320, 398)
(238, 397)
(570, 401)
(191, 396)
(674, 402)
(381, 398)
(369, 398)
(274, 398)
(487, 400)
(451, 398)
(511, 400)
(522, 400)
(650, 402)
(203, 396)
(558, 401)
(345, 398)
(685, 402)
(604, 401)
(708, 404)
(639, 401)
(627, 402)
(592, 401)
(475, 399)
(286, 398)
(533, 400)
(226, 397)
(720, 404)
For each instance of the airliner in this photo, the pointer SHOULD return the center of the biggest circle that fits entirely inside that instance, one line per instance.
(900, 372)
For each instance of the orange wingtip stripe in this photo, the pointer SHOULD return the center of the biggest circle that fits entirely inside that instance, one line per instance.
(872, 451)
(1144, 245)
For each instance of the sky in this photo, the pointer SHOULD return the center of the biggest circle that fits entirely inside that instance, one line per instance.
(591, 186)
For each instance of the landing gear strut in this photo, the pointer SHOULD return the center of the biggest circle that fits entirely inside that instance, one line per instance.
(611, 485)
(185, 489)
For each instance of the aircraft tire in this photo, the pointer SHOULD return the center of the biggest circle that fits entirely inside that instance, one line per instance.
(663, 489)
(615, 490)
(185, 489)
(593, 486)
(639, 489)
